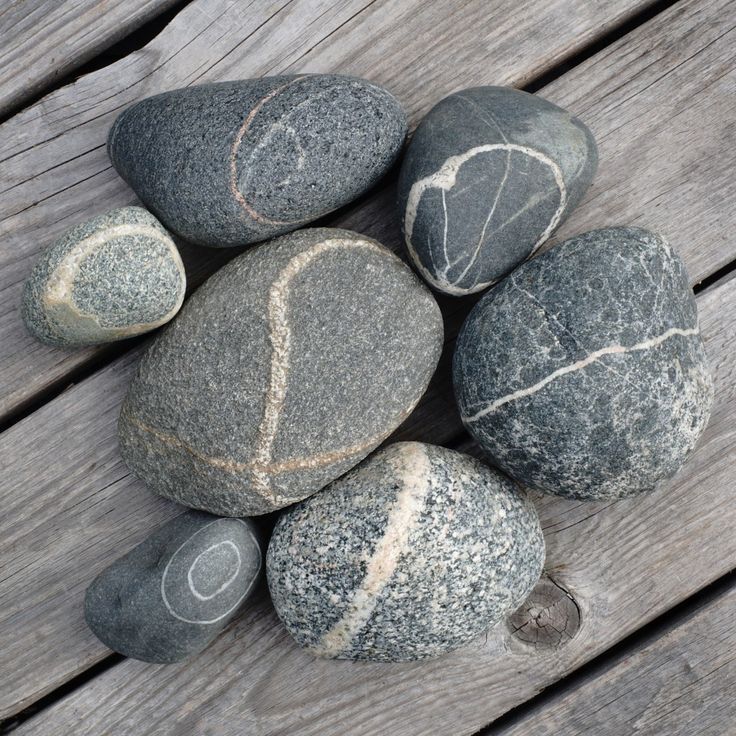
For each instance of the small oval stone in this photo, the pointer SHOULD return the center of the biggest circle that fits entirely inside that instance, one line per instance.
(488, 176)
(410, 555)
(284, 370)
(170, 596)
(233, 163)
(583, 373)
(112, 277)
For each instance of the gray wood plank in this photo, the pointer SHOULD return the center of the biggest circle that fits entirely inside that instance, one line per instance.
(681, 684)
(54, 169)
(43, 40)
(610, 569)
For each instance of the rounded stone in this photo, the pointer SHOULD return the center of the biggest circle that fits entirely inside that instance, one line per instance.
(170, 596)
(583, 373)
(233, 163)
(284, 370)
(410, 555)
(488, 176)
(112, 277)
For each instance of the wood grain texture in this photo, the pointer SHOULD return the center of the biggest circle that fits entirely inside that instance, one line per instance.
(679, 685)
(54, 170)
(43, 40)
(621, 564)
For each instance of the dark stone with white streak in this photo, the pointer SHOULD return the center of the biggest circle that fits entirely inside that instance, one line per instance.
(583, 373)
(488, 176)
(170, 596)
(412, 554)
(232, 163)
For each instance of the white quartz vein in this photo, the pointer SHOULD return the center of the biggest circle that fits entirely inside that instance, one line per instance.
(403, 516)
(578, 365)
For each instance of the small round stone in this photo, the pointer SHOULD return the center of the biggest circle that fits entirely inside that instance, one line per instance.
(233, 163)
(488, 176)
(584, 373)
(412, 554)
(282, 372)
(170, 596)
(114, 276)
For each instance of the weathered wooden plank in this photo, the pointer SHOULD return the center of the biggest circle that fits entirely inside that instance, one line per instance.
(611, 568)
(681, 684)
(43, 40)
(54, 169)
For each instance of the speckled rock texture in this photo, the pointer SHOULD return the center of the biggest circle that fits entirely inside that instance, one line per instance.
(412, 554)
(170, 596)
(237, 162)
(283, 371)
(583, 373)
(112, 277)
(488, 176)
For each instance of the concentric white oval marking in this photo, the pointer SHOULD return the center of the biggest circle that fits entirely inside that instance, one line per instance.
(226, 584)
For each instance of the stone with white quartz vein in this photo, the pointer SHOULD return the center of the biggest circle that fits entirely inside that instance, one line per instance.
(583, 373)
(410, 555)
(488, 176)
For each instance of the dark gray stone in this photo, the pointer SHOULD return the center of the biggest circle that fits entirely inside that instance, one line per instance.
(236, 162)
(412, 554)
(112, 277)
(170, 596)
(583, 373)
(283, 371)
(488, 176)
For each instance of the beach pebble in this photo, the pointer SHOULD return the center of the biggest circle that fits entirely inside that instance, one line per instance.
(114, 276)
(413, 553)
(583, 373)
(170, 596)
(284, 370)
(488, 176)
(233, 163)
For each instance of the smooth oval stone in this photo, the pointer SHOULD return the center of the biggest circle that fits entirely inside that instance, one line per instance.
(583, 373)
(488, 176)
(412, 554)
(237, 162)
(114, 276)
(170, 596)
(283, 371)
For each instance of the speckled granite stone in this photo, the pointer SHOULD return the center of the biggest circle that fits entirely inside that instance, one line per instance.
(412, 554)
(489, 174)
(583, 373)
(112, 277)
(170, 596)
(283, 371)
(236, 162)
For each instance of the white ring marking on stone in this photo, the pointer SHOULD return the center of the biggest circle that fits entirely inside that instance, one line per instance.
(226, 584)
(594, 356)
(402, 519)
(445, 179)
(168, 605)
(280, 337)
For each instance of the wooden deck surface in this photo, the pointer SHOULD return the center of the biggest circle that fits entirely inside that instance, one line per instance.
(656, 82)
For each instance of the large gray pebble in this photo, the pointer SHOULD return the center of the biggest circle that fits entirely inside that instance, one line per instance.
(413, 553)
(236, 162)
(584, 373)
(170, 596)
(115, 276)
(283, 371)
(489, 174)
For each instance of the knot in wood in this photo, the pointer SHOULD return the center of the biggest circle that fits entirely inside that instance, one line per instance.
(548, 618)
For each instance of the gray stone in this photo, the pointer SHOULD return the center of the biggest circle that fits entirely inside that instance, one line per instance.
(112, 277)
(283, 371)
(170, 596)
(236, 162)
(583, 373)
(413, 553)
(489, 174)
